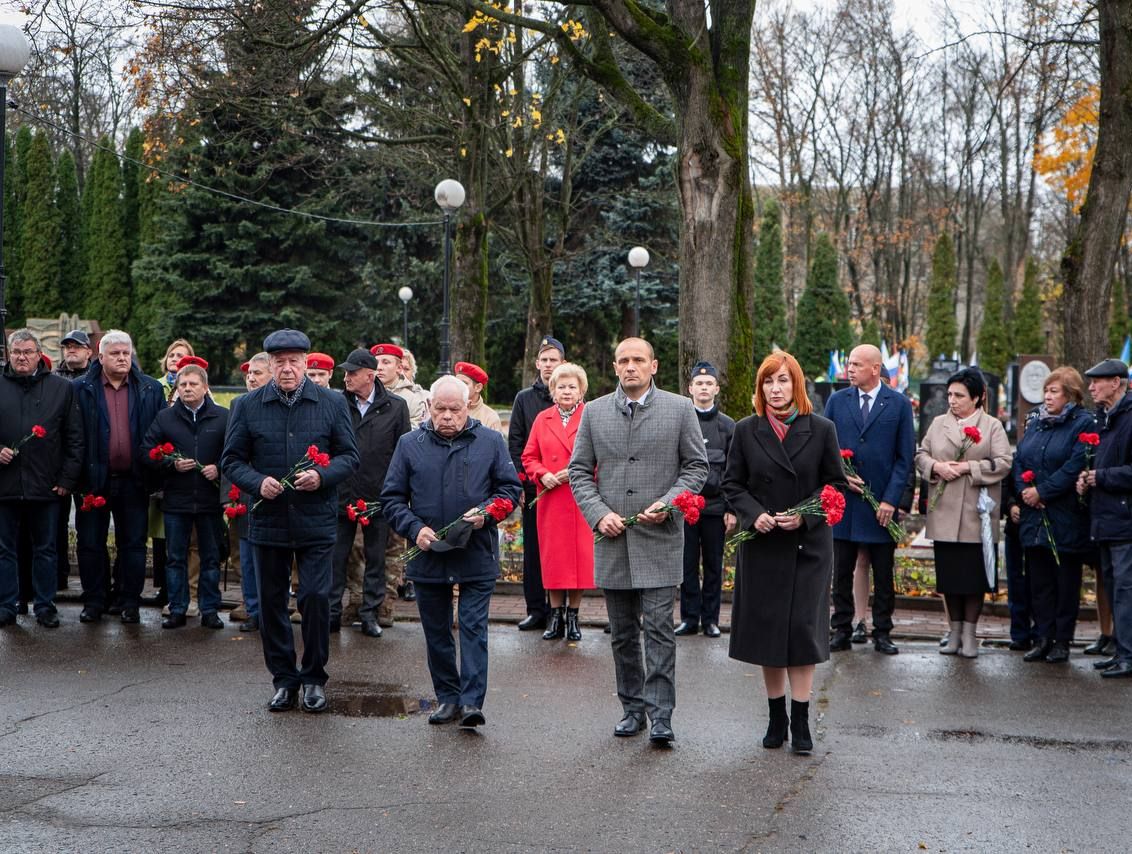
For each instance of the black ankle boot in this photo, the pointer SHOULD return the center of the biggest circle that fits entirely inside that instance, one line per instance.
(800, 741)
(555, 627)
(779, 723)
(1039, 652)
(573, 633)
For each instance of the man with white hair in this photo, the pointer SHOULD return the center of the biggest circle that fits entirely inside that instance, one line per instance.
(445, 472)
(118, 403)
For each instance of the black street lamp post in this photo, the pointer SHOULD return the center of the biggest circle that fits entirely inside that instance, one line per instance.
(638, 260)
(449, 196)
(14, 55)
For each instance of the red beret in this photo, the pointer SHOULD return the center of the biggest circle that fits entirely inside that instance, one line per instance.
(244, 367)
(320, 361)
(387, 350)
(473, 372)
(192, 360)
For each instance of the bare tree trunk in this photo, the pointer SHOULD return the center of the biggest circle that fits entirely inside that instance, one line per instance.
(1090, 258)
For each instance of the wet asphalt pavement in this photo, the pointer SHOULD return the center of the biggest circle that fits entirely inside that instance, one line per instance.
(130, 738)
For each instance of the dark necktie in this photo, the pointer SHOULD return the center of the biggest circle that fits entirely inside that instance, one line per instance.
(632, 408)
(864, 407)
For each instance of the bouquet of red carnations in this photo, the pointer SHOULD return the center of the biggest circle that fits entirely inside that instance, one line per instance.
(360, 512)
(314, 458)
(497, 509)
(92, 502)
(687, 503)
(234, 507)
(893, 527)
(830, 505)
(971, 437)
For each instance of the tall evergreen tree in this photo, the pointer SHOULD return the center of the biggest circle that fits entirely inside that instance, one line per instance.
(68, 211)
(1120, 325)
(769, 326)
(1027, 335)
(39, 250)
(130, 189)
(993, 341)
(823, 312)
(229, 272)
(942, 325)
(106, 285)
(13, 220)
(147, 303)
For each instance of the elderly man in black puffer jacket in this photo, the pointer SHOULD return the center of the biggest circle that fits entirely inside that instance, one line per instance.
(34, 475)
(269, 431)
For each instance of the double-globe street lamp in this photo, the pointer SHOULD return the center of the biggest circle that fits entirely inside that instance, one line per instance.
(638, 260)
(14, 55)
(405, 294)
(449, 194)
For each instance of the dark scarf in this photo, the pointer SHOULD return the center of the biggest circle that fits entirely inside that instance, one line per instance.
(289, 398)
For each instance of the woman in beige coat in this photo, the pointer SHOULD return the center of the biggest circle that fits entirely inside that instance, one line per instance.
(953, 518)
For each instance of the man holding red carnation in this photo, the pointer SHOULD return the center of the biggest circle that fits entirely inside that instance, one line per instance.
(636, 451)
(189, 436)
(449, 483)
(41, 455)
(290, 444)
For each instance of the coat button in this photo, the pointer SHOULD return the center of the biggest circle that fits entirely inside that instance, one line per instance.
(628, 492)
(799, 548)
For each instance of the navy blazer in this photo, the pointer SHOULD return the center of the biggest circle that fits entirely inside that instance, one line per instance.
(884, 451)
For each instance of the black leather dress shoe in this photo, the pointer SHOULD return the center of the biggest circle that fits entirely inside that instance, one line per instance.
(284, 700)
(1105, 663)
(860, 634)
(1097, 646)
(631, 724)
(531, 622)
(47, 619)
(471, 717)
(211, 621)
(114, 608)
(410, 592)
(686, 628)
(1109, 650)
(1120, 670)
(1039, 652)
(839, 642)
(158, 600)
(711, 630)
(884, 644)
(1059, 654)
(314, 699)
(445, 713)
(371, 629)
(90, 615)
(661, 734)
(1020, 645)
(173, 621)
(130, 615)
(251, 624)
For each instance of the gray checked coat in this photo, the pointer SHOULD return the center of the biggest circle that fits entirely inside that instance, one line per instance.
(623, 465)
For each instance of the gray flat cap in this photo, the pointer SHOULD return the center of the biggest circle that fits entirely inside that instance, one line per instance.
(1108, 368)
(286, 339)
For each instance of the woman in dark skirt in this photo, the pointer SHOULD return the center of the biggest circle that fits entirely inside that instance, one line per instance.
(781, 456)
(953, 522)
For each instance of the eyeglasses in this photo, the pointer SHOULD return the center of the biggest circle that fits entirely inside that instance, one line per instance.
(24, 354)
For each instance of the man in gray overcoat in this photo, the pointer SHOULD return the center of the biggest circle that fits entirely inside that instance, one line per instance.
(636, 450)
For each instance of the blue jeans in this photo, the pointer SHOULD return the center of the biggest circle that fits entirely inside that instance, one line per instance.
(178, 533)
(247, 578)
(40, 519)
(1116, 563)
(128, 503)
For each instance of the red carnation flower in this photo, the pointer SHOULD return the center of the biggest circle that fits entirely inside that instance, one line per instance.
(1028, 476)
(361, 504)
(499, 509)
(312, 452)
(1093, 439)
(231, 512)
(846, 454)
(973, 434)
(99, 501)
(38, 431)
(233, 493)
(168, 448)
(365, 521)
(351, 513)
(832, 504)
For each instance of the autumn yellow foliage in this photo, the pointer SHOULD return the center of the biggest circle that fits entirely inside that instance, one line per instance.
(1065, 159)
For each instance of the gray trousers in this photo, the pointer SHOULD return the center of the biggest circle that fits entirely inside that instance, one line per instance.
(647, 685)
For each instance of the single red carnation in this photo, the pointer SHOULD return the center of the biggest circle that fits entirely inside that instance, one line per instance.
(846, 454)
(351, 513)
(692, 516)
(312, 452)
(241, 509)
(1028, 476)
(230, 512)
(322, 460)
(38, 431)
(233, 493)
(1089, 438)
(99, 501)
(973, 434)
(168, 448)
(365, 521)
(155, 454)
(361, 505)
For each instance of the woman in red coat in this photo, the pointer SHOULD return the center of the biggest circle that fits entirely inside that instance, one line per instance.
(566, 542)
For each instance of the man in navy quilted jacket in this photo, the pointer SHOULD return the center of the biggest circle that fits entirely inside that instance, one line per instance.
(290, 422)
